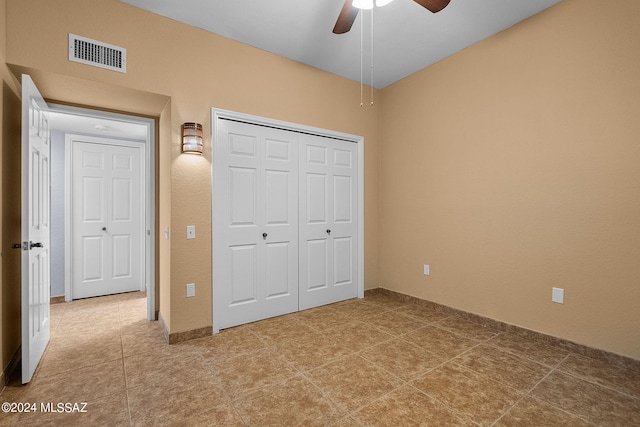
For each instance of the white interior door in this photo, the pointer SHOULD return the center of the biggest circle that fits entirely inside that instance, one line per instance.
(107, 219)
(35, 227)
(328, 221)
(256, 223)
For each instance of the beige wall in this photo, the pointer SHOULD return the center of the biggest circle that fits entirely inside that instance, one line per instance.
(513, 167)
(196, 70)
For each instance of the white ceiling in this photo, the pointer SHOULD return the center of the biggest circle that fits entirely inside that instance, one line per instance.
(87, 125)
(407, 37)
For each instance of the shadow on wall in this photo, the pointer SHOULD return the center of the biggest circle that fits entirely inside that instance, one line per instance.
(11, 202)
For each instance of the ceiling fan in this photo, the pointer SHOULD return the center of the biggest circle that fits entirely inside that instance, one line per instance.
(349, 11)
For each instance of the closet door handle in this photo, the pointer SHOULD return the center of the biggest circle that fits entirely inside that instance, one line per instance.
(264, 236)
(104, 228)
(328, 231)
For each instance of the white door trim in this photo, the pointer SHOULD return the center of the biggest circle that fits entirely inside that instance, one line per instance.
(220, 114)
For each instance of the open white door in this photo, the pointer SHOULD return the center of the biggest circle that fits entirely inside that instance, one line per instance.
(35, 227)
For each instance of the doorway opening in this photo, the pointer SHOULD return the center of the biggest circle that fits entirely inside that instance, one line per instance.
(106, 131)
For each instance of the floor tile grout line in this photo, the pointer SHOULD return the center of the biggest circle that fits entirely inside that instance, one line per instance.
(403, 382)
(410, 383)
(467, 369)
(451, 409)
(457, 334)
(528, 393)
(519, 356)
(537, 399)
(234, 401)
(129, 408)
(550, 368)
(297, 372)
(328, 397)
(348, 416)
(514, 353)
(325, 395)
(358, 409)
(227, 395)
(586, 379)
(233, 406)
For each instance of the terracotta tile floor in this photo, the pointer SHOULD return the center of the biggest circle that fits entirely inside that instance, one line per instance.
(371, 362)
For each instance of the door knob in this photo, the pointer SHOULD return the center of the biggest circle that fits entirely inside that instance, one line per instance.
(104, 228)
(264, 236)
(328, 231)
(35, 245)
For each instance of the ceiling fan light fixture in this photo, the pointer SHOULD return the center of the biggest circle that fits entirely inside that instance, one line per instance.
(363, 4)
(380, 3)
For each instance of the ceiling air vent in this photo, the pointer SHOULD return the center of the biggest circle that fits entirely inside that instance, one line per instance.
(97, 54)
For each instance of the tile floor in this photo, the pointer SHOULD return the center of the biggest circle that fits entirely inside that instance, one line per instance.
(371, 362)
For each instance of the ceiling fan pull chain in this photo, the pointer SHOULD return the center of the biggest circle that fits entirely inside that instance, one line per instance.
(361, 54)
(372, 57)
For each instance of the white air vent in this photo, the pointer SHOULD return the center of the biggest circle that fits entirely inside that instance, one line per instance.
(97, 54)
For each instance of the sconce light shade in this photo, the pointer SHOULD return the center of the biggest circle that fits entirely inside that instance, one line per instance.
(192, 138)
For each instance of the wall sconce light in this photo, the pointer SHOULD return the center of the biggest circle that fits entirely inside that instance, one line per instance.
(192, 138)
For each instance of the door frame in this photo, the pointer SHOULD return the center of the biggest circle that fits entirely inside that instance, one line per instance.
(218, 114)
(68, 210)
(149, 283)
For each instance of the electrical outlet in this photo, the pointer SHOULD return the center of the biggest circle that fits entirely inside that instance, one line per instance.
(427, 270)
(191, 290)
(557, 295)
(191, 231)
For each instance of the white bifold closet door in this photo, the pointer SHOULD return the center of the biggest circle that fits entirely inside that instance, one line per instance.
(256, 246)
(285, 222)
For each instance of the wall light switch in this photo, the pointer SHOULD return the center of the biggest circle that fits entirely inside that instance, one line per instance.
(191, 231)
(166, 233)
(191, 290)
(557, 295)
(427, 270)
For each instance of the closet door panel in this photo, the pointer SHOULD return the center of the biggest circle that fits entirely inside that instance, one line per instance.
(256, 214)
(280, 221)
(328, 226)
(277, 265)
(316, 265)
(237, 241)
(244, 280)
(343, 261)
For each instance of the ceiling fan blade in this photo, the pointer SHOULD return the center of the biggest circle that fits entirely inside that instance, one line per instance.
(346, 18)
(433, 5)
